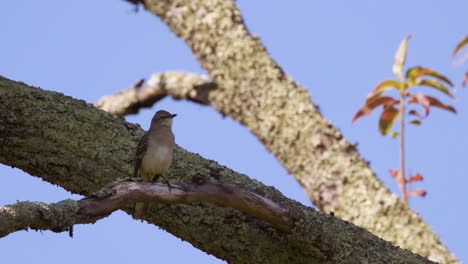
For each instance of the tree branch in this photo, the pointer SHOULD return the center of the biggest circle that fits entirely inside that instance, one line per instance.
(72, 144)
(180, 85)
(59, 217)
(253, 89)
(199, 190)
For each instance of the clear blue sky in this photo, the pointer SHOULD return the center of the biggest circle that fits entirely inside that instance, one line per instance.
(338, 50)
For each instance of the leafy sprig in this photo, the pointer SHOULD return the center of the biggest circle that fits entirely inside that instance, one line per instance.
(394, 108)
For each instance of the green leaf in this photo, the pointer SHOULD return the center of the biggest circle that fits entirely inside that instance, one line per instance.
(414, 73)
(415, 122)
(461, 45)
(387, 119)
(400, 58)
(435, 84)
(394, 134)
(385, 86)
(372, 103)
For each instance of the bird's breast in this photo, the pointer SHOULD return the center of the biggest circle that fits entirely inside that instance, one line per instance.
(157, 160)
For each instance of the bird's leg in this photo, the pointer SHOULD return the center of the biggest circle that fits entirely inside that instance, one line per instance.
(162, 176)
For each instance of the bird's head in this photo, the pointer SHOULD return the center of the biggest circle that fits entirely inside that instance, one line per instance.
(162, 118)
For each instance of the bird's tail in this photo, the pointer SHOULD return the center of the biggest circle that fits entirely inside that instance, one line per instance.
(138, 210)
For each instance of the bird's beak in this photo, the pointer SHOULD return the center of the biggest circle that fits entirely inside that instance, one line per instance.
(168, 116)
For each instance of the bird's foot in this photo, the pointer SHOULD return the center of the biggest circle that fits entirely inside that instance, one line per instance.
(130, 179)
(169, 186)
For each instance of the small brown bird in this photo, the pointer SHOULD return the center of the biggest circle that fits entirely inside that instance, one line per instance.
(154, 152)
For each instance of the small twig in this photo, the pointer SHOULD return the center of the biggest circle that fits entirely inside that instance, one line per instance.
(402, 150)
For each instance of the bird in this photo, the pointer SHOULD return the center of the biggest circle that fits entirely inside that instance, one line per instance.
(154, 152)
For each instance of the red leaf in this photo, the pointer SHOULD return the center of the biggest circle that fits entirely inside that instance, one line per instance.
(415, 178)
(422, 100)
(383, 87)
(418, 192)
(416, 113)
(414, 73)
(387, 119)
(432, 102)
(372, 103)
(436, 103)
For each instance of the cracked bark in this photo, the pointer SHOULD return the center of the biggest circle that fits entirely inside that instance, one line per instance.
(254, 90)
(72, 144)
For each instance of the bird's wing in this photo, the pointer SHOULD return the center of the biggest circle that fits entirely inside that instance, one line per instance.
(140, 153)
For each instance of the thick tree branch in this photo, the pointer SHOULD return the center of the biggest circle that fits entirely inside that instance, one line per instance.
(254, 90)
(179, 85)
(72, 144)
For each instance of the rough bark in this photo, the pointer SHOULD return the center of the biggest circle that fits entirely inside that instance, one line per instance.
(254, 90)
(72, 144)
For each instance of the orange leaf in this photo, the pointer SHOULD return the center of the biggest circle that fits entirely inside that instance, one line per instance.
(461, 45)
(400, 58)
(387, 119)
(415, 178)
(383, 87)
(372, 103)
(416, 72)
